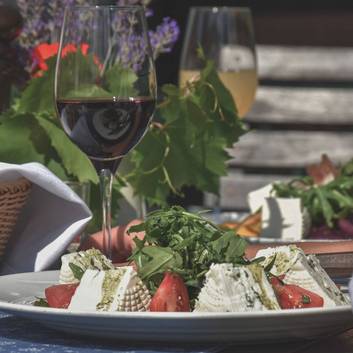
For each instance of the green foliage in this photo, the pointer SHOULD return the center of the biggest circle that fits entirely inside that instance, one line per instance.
(184, 243)
(39, 94)
(187, 146)
(74, 161)
(35, 138)
(120, 81)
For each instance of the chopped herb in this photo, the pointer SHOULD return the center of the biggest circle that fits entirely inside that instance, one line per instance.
(249, 301)
(268, 268)
(77, 271)
(306, 299)
(41, 302)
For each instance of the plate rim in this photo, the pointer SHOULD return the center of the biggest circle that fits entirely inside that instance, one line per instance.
(13, 308)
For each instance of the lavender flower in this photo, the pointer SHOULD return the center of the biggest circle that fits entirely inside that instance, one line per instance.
(164, 37)
(43, 20)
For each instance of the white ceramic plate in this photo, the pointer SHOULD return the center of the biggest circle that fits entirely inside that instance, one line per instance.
(257, 327)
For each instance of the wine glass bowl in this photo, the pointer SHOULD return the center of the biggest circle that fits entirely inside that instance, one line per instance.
(105, 87)
(226, 36)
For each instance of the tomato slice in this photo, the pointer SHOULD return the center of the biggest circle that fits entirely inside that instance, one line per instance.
(59, 296)
(291, 296)
(171, 295)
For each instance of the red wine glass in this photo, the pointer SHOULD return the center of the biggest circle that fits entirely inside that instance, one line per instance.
(105, 88)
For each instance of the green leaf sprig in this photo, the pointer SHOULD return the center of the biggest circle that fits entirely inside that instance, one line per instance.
(325, 203)
(185, 243)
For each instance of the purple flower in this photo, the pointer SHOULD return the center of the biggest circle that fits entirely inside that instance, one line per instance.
(43, 20)
(164, 37)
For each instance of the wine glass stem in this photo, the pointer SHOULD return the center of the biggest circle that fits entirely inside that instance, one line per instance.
(106, 183)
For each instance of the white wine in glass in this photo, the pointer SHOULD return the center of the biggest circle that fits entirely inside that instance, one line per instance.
(226, 35)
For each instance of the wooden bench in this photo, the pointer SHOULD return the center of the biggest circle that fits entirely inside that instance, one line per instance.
(303, 109)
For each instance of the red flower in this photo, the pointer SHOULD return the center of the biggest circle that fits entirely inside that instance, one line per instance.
(44, 51)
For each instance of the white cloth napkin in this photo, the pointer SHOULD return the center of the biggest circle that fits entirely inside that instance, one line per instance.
(50, 220)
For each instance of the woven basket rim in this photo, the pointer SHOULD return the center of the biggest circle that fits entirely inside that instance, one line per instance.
(20, 184)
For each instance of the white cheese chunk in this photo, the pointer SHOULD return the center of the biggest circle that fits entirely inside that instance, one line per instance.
(89, 259)
(256, 198)
(283, 218)
(303, 271)
(230, 288)
(119, 289)
(89, 293)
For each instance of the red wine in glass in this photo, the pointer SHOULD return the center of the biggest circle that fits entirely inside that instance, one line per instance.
(105, 88)
(105, 129)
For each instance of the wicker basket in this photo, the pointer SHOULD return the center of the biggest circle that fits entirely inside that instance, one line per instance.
(13, 196)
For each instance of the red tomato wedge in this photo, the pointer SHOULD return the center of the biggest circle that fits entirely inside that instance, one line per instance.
(59, 296)
(291, 296)
(171, 295)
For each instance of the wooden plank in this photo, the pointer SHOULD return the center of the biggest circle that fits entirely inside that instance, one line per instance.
(235, 188)
(292, 105)
(305, 63)
(290, 149)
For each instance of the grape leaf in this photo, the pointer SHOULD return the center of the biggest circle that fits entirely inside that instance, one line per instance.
(75, 162)
(120, 81)
(16, 137)
(196, 127)
(39, 94)
(84, 91)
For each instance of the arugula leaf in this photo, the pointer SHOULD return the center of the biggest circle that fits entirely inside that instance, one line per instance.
(326, 207)
(155, 260)
(325, 203)
(229, 246)
(77, 271)
(184, 243)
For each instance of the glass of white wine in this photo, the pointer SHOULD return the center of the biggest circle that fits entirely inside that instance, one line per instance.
(226, 36)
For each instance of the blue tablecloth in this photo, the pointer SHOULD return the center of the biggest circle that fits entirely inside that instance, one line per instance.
(20, 335)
